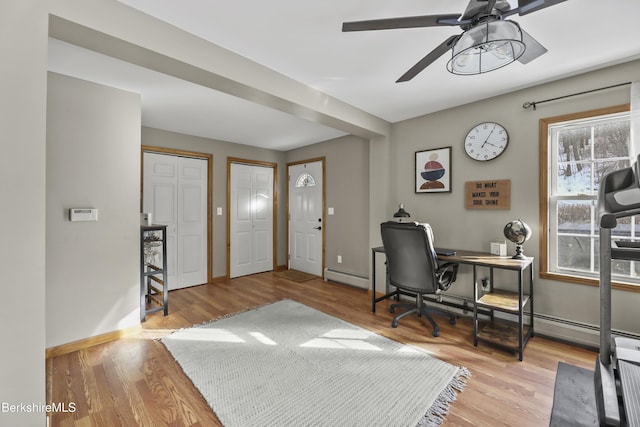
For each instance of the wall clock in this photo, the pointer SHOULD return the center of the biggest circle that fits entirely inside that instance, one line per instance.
(486, 141)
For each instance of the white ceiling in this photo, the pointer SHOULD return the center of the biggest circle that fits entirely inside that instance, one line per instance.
(304, 41)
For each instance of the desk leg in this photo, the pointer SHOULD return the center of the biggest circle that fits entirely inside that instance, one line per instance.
(520, 318)
(373, 281)
(531, 297)
(475, 307)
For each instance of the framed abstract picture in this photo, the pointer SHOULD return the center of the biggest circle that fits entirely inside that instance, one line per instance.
(433, 170)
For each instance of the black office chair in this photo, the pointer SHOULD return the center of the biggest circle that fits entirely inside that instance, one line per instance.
(412, 267)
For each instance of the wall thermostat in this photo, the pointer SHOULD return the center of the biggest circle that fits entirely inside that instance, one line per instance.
(83, 214)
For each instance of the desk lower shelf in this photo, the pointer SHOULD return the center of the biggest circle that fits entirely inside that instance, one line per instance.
(502, 300)
(502, 333)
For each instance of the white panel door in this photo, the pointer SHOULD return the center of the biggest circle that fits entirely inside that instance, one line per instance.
(305, 217)
(250, 219)
(174, 191)
(192, 222)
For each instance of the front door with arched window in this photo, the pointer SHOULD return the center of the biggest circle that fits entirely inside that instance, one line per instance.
(306, 217)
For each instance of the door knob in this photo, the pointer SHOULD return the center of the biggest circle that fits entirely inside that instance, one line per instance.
(317, 228)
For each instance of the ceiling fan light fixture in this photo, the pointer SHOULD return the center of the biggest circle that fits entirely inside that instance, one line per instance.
(486, 47)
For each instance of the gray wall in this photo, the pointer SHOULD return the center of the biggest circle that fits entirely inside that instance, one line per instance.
(347, 191)
(22, 167)
(93, 160)
(350, 164)
(474, 229)
(221, 151)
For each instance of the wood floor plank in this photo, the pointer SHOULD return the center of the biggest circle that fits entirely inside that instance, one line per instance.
(134, 381)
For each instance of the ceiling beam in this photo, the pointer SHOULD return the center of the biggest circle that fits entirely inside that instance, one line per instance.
(126, 34)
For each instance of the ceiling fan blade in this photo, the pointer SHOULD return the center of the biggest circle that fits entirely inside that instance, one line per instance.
(534, 48)
(529, 6)
(431, 57)
(408, 22)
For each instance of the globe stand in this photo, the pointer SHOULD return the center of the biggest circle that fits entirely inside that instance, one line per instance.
(519, 254)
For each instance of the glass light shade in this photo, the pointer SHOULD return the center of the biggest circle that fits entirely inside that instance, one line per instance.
(486, 47)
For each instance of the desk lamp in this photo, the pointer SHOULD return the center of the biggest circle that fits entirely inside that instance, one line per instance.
(401, 215)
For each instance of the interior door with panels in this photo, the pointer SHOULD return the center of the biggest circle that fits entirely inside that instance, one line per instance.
(175, 192)
(251, 205)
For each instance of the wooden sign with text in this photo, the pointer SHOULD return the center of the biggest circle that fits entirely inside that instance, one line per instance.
(494, 194)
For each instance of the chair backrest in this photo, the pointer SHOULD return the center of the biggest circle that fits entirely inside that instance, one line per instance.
(411, 258)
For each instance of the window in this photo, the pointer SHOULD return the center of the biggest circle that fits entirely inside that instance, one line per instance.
(578, 150)
(305, 180)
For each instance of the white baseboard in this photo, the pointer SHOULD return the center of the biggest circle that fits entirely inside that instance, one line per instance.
(346, 278)
(556, 328)
(581, 335)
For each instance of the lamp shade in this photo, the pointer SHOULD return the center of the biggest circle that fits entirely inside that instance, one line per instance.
(401, 215)
(486, 47)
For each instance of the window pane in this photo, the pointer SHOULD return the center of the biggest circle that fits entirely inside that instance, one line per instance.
(601, 168)
(612, 140)
(623, 229)
(574, 217)
(621, 267)
(574, 178)
(574, 253)
(574, 144)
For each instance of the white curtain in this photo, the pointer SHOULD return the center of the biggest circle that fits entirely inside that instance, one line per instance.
(635, 120)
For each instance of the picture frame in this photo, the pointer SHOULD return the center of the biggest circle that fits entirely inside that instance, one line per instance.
(433, 170)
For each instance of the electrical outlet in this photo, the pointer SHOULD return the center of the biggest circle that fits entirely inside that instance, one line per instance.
(339, 259)
(485, 284)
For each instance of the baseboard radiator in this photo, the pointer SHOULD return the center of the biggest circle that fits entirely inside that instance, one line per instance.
(551, 326)
(346, 278)
(570, 331)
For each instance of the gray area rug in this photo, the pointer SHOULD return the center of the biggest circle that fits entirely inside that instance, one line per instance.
(574, 399)
(286, 364)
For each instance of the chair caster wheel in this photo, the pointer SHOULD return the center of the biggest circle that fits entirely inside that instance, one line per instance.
(452, 321)
(394, 324)
(436, 333)
(392, 310)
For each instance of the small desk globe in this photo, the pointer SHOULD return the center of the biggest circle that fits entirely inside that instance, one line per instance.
(518, 232)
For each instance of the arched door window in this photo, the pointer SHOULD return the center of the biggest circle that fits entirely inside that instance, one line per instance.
(305, 180)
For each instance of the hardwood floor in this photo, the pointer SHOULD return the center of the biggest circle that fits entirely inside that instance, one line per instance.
(135, 382)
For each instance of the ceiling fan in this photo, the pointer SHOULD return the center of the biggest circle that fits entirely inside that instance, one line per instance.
(488, 41)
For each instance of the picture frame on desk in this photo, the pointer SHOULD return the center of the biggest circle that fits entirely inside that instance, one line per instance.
(433, 170)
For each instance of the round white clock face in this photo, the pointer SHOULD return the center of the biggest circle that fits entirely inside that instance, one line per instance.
(486, 141)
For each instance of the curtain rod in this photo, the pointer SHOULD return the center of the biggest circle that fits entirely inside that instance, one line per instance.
(533, 104)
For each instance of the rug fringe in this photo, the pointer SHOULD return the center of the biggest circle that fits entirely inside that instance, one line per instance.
(440, 409)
